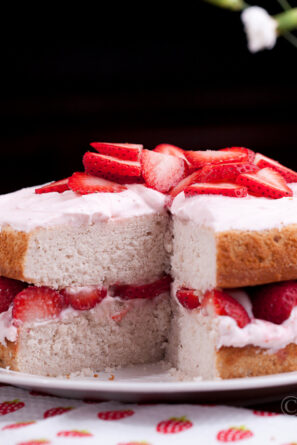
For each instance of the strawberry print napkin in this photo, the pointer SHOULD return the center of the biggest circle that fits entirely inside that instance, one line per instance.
(30, 418)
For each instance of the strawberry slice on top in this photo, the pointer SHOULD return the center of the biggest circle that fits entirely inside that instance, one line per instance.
(37, 303)
(263, 161)
(103, 165)
(218, 302)
(198, 158)
(161, 172)
(172, 150)
(225, 172)
(274, 302)
(266, 182)
(184, 183)
(83, 298)
(57, 186)
(250, 153)
(83, 183)
(222, 188)
(127, 151)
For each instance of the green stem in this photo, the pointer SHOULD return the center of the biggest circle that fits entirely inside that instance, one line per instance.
(287, 21)
(234, 5)
(284, 4)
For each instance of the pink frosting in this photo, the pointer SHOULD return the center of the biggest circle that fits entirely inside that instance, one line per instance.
(24, 210)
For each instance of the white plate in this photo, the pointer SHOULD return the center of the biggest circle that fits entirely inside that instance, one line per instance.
(153, 383)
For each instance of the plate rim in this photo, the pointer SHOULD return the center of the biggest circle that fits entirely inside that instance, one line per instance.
(16, 378)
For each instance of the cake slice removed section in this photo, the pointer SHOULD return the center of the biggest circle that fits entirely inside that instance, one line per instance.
(219, 336)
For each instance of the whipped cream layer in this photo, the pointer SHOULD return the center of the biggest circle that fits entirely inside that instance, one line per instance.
(222, 213)
(24, 210)
(260, 333)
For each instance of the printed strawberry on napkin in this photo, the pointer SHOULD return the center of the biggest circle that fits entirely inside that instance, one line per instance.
(29, 418)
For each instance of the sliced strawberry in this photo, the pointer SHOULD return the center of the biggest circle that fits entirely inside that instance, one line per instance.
(217, 302)
(161, 172)
(150, 290)
(225, 172)
(250, 153)
(84, 184)
(172, 150)
(186, 182)
(37, 303)
(200, 158)
(83, 298)
(103, 165)
(8, 290)
(223, 188)
(188, 298)
(57, 186)
(129, 152)
(288, 174)
(274, 302)
(266, 182)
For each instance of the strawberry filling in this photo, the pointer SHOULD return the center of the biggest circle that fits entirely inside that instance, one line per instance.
(32, 303)
(270, 302)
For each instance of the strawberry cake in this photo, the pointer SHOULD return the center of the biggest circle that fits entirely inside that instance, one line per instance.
(185, 255)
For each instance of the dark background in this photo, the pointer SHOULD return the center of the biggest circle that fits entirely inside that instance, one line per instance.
(187, 80)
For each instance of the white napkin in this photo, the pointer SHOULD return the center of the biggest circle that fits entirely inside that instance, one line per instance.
(30, 419)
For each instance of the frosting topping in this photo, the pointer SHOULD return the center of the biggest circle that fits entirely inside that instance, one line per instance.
(222, 213)
(24, 210)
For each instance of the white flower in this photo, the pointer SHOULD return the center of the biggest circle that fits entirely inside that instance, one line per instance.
(260, 28)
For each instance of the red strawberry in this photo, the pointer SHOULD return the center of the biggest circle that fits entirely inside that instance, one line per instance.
(274, 302)
(188, 298)
(129, 152)
(57, 186)
(8, 290)
(13, 426)
(223, 188)
(10, 406)
(184, 183)
(172, 150)
(161, 172)
(200, 158)
(103, 165)
(35, 442)
(220, 303)
(115, 415)
(266, 182)
(233, 434)
(265, 413)
(57, 411)
(150, 290)
(83, 298)
(174, 425)
(75, 433)
(37, 303)
(84, 184)
(225, 172)
(250, 153)
(263, 161)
